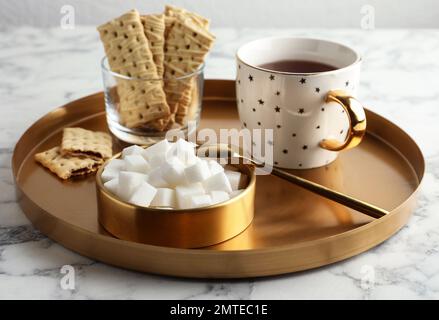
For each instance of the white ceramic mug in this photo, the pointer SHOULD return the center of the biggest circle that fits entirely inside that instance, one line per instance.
(313, 115)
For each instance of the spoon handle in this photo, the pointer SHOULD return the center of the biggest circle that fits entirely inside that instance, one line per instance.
(364, 207)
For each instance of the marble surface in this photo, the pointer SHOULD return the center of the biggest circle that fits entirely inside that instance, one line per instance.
(44, 68)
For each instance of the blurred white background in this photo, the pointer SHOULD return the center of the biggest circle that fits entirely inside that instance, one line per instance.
(234, 13)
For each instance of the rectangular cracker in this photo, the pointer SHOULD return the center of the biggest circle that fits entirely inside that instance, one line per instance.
(172, 11)
(187, 109)
(186, 47)
(129, 54)
(154, 28)
(178, 92)
(81, 142)
(64, 166)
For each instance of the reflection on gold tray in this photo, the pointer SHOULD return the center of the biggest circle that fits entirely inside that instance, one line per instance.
(293, 229)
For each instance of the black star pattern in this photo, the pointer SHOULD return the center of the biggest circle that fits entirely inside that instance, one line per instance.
(323, 109)
(277, 93)
(239, 81)
(239, 66)
(318, 127)
(305, 147)
(242, 100)
(277, 109)
(278, 126)
(271, 77)
(341, 131)
(301, 110)
(276, 163)
(250, 77)
(317, 90)
(261, 102)
(303, 81)
(259, 123)
(254, 109)
(300, 164)
(342, 111)
(245, 124)
(346, 83)
(294, 135)
(285, 151)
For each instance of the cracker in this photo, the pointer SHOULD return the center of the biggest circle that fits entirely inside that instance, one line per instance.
(154, 28)
(82, 142)
(186, 47)
(172, 11)
(129, 54)
(66, 166)
(187, 105)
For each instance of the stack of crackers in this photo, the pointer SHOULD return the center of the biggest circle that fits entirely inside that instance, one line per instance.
(161, 48)
(81, 152)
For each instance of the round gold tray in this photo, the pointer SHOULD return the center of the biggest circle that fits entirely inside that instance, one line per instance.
(293, 229)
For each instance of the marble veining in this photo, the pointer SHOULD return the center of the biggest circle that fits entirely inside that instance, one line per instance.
(44, 68)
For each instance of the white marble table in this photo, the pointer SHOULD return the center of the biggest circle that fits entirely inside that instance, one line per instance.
(41, 69)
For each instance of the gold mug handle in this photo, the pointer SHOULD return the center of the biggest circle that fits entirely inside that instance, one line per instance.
(357, 121)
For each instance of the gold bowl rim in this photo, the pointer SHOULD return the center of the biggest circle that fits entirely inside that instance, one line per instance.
(119, 201)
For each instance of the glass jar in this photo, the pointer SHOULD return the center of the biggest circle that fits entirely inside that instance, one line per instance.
(133, 114)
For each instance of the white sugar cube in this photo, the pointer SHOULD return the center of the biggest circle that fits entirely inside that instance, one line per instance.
(219, 196)
(214, 167)
(184, 151)
(131, 150)
(197, 172)
(136, 163)
(184, 192)
(115, 164)
(155, 179)
(173, 171)
(217, 181)
(128, 183)
(156, 160)
(158, 149)
(109, 174)
(234, 178)
(202, 200)
(164, 197)
(112, 185)
(143, 195)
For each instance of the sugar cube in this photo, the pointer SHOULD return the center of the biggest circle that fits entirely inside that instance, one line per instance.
(155, 179)
(109, 174)
(164, 197)
(128, 183)
(234, 178)
(131, 150)
(184, 192)
(143, 195)
(112, 185)
(201, 200)
(219, 196)
(172, 171)
(116, 164)
(158, 149)
(217, 181)
(184, 151)
(197, 172)
(215, 167)
(136, 163)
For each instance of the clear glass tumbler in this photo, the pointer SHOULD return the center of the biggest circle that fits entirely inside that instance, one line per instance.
(128, 110)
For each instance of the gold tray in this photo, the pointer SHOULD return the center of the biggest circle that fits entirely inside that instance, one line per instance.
(293, 229)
